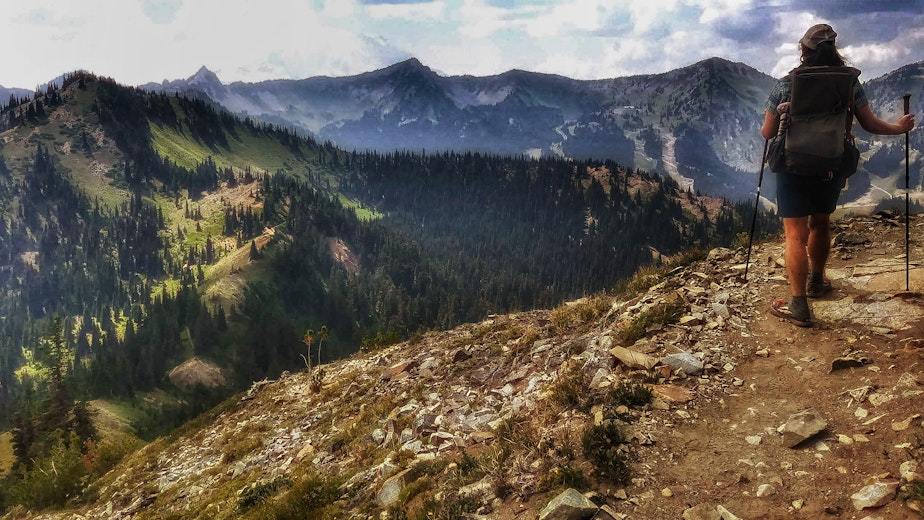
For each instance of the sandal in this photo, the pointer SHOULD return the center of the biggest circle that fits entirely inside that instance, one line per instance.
(780, 309)
(817, 289)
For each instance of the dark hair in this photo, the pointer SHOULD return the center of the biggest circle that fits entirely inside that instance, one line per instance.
(825, 55)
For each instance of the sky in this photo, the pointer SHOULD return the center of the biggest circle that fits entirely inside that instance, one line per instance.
(140, 41)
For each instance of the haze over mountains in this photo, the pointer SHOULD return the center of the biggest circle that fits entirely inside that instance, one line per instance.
(698, 124)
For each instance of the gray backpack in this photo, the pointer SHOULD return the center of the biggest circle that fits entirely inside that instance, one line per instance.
(815, 140)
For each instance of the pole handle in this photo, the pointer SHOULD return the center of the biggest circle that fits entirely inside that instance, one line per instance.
(906, 101)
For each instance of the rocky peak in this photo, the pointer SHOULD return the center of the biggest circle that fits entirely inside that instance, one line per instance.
(490, 420)
(204, 78)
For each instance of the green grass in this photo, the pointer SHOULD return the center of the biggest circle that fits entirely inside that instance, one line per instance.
(6, 452)
(248, 149)
(185, 152)
(363, 213)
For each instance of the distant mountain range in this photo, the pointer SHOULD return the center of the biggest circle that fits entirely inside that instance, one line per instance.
(17, 93)
(698, 124)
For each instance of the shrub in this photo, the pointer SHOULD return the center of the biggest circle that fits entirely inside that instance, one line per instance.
(570, 391)
(308, 498)
(259, 492)
(577, 314)
(665, 313)
(53, 480)
(449, 508)
(381, 340)
(630, 394)
(111, 451)
(564, 477)
(602, 445)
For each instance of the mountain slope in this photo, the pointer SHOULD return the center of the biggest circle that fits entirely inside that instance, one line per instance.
(698, 124)
(161, 230)
(491, 418)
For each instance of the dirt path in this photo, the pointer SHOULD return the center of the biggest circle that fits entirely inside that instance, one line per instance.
(729, 447)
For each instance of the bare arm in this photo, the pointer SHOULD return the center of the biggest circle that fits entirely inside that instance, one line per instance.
(874, 125)
(770, 126)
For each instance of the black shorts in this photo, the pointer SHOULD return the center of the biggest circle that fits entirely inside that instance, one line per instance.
(799, 196)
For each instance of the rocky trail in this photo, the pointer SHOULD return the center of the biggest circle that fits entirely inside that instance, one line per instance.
(475, 417)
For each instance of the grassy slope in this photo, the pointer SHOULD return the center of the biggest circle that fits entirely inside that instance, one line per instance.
(6, 452)
(96, 171)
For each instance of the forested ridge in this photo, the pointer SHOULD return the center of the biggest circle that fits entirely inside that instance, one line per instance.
(120, 208)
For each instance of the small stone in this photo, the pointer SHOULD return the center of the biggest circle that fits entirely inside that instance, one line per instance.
(753, 440)
(847, 362)
(701, 512)
(844, 439)
(570, 504)
(763, 353)
(908, 471)
(672, 393)
(859, 437)
(800, 427)
(861, 413)
(765, 490)
(725, 514)
(666, 492)
(690, 364)
(904, 425)
(878, 399)
(798, 504)
(874, 495)
(633, 358)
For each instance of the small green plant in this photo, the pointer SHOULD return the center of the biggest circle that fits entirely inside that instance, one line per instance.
(570, 391)
(645, 278)
(53, 480)
(312, 497)
(915, 491)
(577, 314)
(630, 394)
(316, 373)
(258, 493)
(449, 508)
(686, 257)
(665, 313)
(562, 478)
(381, 340)
(603, 447)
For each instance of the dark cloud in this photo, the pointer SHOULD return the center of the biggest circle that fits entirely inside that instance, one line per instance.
(843, 9)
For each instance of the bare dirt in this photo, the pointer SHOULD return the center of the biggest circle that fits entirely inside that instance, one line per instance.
(729, 447)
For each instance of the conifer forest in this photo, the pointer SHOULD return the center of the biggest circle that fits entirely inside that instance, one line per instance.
(109, 278)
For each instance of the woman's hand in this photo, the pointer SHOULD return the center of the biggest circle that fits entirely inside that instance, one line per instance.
(905, 123)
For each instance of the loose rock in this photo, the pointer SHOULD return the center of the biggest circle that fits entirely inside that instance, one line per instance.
(800, 427)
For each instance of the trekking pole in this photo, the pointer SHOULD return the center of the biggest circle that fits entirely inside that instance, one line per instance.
(760, 180)
(906, 99)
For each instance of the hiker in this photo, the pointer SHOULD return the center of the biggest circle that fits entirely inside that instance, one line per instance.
(805, 203)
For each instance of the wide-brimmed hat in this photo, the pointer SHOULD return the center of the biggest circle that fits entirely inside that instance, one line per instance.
(818, 34)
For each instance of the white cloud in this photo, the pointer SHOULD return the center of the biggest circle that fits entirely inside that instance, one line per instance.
(149, 40)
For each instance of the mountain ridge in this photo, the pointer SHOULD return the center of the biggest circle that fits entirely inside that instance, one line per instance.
(698, 123)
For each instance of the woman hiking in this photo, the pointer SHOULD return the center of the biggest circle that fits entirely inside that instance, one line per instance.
(805, 203)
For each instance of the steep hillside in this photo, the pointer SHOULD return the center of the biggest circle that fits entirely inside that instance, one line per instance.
(507, 417)
(157, 254)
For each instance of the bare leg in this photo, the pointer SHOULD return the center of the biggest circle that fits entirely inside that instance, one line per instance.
(797, 258)
(819, 241)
